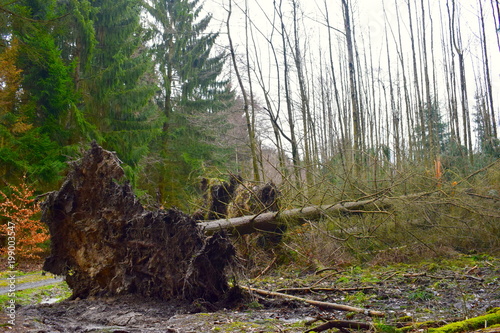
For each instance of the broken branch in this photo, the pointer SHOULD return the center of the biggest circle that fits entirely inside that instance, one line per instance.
(341, 324)
(324, 305)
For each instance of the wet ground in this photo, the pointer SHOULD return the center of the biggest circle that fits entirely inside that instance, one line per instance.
(444, 291)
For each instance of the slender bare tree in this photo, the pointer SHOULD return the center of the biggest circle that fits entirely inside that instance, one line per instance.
(353, 91)
(246, 103)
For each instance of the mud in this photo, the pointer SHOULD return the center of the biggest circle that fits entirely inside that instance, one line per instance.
(440, 293)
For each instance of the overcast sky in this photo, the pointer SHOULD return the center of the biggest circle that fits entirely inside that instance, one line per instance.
(370, 19)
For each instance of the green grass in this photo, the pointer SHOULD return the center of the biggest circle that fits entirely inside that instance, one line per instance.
(6, 274)
(359, 298)
(58, 290)
(421, 295)
(24, 277)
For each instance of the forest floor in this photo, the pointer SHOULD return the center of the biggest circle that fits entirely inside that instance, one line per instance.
(440, 291)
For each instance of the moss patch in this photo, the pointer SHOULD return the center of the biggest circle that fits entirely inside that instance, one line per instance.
(492, 318)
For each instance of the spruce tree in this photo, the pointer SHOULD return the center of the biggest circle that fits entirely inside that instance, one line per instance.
(192, 94)
(117, 86)
(39, 93)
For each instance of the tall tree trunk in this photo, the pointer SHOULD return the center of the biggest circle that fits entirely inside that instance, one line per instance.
(489, 90)
(273, 116)
(250, 118)
(396, 117)
(431, 119)
(495, 9)
(410, 123)
(421, 121)
(356, 128)
(451, 84)
(303, 96)
(291, 118)
(341, 124)
(251, 132)
(457, 43)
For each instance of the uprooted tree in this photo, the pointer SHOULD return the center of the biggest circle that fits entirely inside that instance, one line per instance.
(236, 197)
(106, 243)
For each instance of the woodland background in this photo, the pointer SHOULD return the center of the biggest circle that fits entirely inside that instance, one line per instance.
(177, 99)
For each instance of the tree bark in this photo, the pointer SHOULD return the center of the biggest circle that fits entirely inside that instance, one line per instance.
(288, 97)
(303, 97)
(356, 119)
(271, 220)
(249, 119)
(489, 90)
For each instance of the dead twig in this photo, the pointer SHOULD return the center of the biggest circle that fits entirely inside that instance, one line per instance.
(325, 277)
(324, 305)
(481, 196)
(390, 276)
(358, 211)
(415, 274)
(313, 289)
(319, 317)
(319, 271)
(478, 171)
(267, 268)
(341, 324)
(474, 278)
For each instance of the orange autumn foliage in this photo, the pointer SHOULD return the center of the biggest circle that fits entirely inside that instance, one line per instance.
(11, 93)
(20, 208)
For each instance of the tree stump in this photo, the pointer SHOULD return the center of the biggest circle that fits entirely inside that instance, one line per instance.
(106, 243)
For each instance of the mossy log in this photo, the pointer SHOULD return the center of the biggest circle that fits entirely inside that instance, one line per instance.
(489, 319)
(106, 243)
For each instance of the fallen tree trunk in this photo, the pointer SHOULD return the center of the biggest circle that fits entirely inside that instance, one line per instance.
(270, 221)
(106, 243)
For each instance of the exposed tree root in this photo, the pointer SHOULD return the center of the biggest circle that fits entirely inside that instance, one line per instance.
(106, 243)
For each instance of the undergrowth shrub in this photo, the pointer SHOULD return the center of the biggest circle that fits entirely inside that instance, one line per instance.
(430, 216)
(19, 212)
(430, 219)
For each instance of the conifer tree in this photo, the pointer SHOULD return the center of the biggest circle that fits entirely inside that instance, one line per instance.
(38, 93)
(191, 91)
(117, 94)
(189, 74)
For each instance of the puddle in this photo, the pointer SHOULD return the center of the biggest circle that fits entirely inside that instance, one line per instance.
(51, 300)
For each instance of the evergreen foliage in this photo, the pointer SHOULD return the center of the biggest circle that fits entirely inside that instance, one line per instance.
(117, 94)
(37, 90)
(80, 70)
(192, 95)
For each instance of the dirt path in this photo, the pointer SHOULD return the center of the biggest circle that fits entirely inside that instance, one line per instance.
(30, 285)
